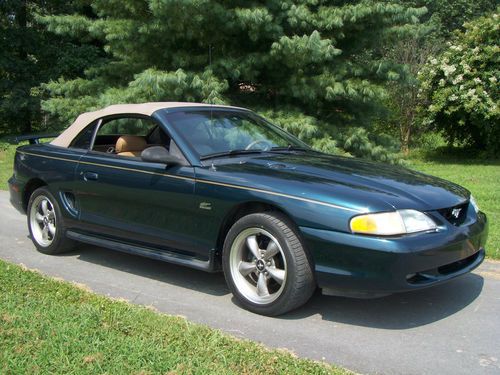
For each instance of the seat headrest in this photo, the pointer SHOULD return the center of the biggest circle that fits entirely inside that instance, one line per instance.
(128, 143)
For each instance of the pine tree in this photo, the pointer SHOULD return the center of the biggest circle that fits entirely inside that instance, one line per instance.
(314, 58)
(446, 16)
(32, 55)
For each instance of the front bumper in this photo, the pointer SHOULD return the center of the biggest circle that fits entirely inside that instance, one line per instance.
(359, 265)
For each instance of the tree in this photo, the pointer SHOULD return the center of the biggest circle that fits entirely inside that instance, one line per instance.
(450, 15)
(31, 56)
(446, 16)
(404, 101)
(317, 59)
(413, 50)
(461, 86)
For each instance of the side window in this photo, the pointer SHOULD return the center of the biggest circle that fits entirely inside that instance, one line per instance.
(128, 136)
(84, 139)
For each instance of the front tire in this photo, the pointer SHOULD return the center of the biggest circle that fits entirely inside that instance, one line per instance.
(46, 224)
(266, 265)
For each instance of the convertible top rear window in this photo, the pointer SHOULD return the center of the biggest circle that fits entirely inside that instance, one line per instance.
(84, 139)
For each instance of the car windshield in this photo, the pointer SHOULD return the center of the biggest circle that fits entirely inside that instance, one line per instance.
(217, 133)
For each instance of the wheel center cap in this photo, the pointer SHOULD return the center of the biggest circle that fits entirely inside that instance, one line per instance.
(45, 221)
(260, 265)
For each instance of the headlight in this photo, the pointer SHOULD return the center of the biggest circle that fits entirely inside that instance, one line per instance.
(474, 204)
(392, 223)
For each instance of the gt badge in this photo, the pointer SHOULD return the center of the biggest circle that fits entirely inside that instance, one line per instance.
(206, 205)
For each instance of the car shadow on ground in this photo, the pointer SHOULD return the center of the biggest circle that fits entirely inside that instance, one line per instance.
(210, 283)
(398, 311)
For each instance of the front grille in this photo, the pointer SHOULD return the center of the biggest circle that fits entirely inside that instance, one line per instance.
(455, 215)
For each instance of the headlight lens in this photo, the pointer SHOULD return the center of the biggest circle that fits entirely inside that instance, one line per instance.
(392, 223)
(474, 204)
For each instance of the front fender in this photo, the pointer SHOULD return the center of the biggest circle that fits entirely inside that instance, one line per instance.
(216, 201)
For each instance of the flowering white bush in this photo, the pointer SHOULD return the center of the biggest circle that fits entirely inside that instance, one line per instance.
(461, 86)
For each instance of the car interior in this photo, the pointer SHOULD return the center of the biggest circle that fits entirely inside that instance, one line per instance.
(127, 137)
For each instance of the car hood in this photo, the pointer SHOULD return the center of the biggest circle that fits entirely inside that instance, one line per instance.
(349, 182)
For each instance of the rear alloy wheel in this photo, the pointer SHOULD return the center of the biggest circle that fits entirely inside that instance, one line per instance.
(265, 264)
(45, 223)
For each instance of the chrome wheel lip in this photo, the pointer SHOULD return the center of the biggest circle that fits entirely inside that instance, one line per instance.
(42, 221)
(239, 254)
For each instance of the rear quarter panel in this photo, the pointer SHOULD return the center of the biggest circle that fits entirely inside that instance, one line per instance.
(54, 166)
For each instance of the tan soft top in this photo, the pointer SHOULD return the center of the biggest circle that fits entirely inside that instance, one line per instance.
(67, 136)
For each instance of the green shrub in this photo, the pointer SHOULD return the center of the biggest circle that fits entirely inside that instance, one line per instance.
(461, 87)
(429, 141)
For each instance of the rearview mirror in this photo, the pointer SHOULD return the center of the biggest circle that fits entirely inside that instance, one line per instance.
(159, 154)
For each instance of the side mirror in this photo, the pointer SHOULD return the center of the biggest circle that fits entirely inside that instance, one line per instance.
(159, 154)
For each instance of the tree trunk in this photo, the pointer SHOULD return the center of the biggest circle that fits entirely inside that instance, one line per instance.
(405, 139)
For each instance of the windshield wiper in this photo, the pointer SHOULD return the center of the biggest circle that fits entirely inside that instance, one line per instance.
(253, 151)
(230, 153)
(290, 148)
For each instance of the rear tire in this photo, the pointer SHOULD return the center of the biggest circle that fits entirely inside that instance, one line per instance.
(46, 223)
(266, 265)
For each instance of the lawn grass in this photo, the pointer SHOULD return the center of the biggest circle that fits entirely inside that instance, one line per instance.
(7, 153)
(51, 326)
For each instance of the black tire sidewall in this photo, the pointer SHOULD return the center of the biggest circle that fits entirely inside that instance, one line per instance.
(262, 220)
(60, 242)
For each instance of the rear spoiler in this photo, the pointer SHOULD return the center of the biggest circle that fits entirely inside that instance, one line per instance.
(33, 139)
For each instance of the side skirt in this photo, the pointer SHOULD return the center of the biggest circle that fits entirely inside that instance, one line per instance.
(165, 256)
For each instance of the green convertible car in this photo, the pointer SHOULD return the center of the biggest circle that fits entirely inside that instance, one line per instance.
(220, 188)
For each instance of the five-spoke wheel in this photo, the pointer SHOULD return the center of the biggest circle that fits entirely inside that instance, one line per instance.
(258, 265)
(43, 220)
(46, 224)
(266, 265)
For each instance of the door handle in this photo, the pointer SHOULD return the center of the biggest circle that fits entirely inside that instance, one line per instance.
(87, 176)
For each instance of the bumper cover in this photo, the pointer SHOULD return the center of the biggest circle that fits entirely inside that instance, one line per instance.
(16, 197)
(366, 265)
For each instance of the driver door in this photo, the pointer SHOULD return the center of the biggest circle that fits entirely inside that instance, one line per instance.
(124, 198)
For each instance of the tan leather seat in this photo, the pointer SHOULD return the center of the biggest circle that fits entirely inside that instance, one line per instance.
(130, 145)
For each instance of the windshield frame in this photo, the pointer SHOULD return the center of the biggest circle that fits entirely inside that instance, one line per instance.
(261, 121)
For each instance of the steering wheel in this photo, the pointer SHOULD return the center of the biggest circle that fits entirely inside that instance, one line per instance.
(110, 150)
(267, 145)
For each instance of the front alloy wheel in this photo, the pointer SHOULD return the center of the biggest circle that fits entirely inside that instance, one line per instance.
(258, 265)
(266, 265)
